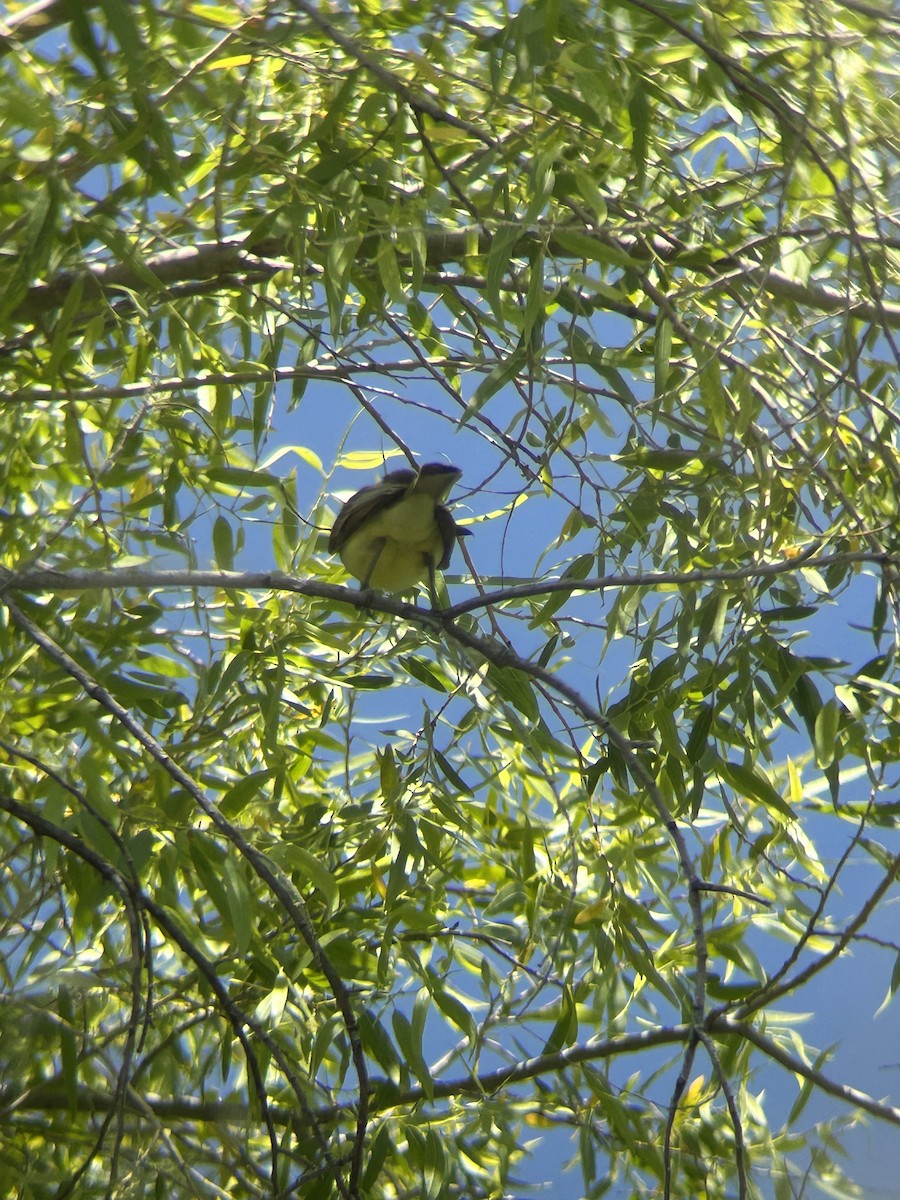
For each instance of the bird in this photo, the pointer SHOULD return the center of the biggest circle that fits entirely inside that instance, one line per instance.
(397, 532)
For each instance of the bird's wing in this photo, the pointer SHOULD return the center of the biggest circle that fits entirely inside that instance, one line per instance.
(450, 532)
(365, 504)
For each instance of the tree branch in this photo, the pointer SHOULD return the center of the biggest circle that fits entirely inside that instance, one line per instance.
(40, 580)
(237, 261)
(884, 1112)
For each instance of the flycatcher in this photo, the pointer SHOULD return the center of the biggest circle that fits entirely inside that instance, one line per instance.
(395, 533)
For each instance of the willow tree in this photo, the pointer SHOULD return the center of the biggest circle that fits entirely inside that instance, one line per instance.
(322, 893)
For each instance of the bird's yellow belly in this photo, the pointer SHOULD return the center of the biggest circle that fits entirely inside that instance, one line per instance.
(410, 521)
(409, 541)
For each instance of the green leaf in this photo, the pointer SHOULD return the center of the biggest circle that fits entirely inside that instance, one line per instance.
(225, 884)
(662, 353)
(825, 735)
(807, 702)
(535, 313)
(68, 1046)
(376, 1155)
(123, 26)
(222, 543)
(749, 782)
(236, 798)
(312, 870)
(499, 264)
(377, 1043)
(389, 270)
(639, 116)
(515, 686)
(370, 682)
(541, 189)
(806, 1091)
(425, 672)
(391, 780)
(713, 395)
(454, 1010)
(409, 1042)
(579, 569)
(452, 775)
(595, 249)
(698, 737)
(241, 477)
(505, 370)
(565, 1029)
(893, 986)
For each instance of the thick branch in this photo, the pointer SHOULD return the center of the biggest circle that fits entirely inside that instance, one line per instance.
(237, 262)
(44, 579)
(227, 261)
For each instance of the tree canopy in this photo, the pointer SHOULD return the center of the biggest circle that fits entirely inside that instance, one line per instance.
(315, 892)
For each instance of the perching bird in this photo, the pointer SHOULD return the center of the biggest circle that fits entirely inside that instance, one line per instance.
(397, 532)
